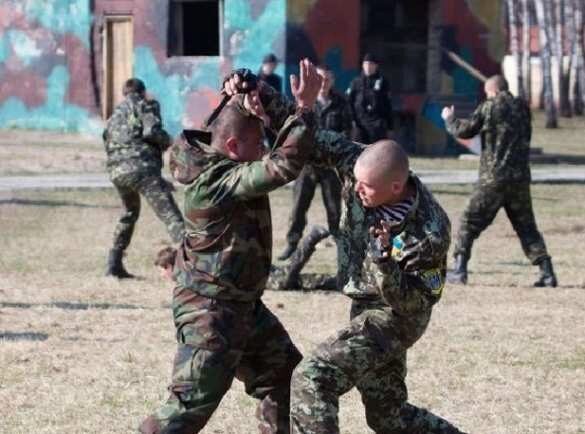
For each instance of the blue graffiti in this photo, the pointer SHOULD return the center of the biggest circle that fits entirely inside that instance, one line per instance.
(54, 114)
(62, 16)
(24, 46)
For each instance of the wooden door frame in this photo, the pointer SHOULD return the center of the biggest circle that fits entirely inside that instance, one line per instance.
(107, 94)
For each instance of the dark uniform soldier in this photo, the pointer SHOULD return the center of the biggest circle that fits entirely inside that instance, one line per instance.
(267, 74)
(504, 124)
(394, 240)
(135, 140)
(224, 330)
(369, 98)
(333, 113)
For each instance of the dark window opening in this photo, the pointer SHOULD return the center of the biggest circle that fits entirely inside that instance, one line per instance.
(194, 28)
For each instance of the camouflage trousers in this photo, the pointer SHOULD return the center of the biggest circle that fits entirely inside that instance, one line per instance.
(485, 202)
(218, 341)
(369, 354)
(303, 193)
(159, 196)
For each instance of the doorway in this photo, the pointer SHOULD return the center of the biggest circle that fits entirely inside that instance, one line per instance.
(396, 31)
(117, 59)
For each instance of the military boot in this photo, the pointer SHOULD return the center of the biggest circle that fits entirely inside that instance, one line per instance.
(547, 276)
(287, 252)
(458, 276)
(115, 266)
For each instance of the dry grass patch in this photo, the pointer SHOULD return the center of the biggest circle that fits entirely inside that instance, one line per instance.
(81, 353)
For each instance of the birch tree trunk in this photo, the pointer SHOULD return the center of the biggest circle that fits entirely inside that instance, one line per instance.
(579, 89)
(563, 77)
(526, 51)
(513, 32)
(546, 31)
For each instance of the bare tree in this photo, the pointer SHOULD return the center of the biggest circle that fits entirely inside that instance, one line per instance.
(559, 50)
(514, 35)
(543, 14)
(578, 61)
(526, 50)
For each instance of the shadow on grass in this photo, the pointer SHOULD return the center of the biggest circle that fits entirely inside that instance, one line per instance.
(23, 336)
(52, 203)
(73, 305)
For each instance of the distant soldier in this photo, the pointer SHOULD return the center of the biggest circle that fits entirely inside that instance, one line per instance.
(135, 140)
(369, 98)
(394, 242)
(224, 330)
(504, 124)
(267, 74)
(333, 113)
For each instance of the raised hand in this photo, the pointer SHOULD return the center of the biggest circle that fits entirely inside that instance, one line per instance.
(305, 88)
(253, 105)
(448, 113)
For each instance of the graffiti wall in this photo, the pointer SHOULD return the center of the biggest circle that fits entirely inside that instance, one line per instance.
(52, 67)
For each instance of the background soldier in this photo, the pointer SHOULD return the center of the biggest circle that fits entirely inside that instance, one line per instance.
(223, 328)
(135, 141)
(333, 113)
(369, 98)
(504, 124)
(394, 244)
(267, 74)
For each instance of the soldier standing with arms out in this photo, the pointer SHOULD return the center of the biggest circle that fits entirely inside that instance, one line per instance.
(223, 328)
(135, 140)
(504, 124)
(332, 113)
(369, 99)
(393, 242)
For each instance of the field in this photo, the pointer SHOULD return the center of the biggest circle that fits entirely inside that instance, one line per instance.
(81, 353)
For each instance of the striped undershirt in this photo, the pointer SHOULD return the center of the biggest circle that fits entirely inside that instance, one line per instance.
(394, 213)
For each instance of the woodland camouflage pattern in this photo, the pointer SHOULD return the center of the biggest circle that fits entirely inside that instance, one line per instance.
(223, 329)
(392, 304)
(135, 140)
(504, 124)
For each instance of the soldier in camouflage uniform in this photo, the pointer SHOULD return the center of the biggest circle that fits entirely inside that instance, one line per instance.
(224, 331)
(394, 240)
(333, 113)
(504, 124)
(135, 141)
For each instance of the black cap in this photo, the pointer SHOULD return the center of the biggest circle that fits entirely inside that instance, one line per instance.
(370, 57)
(270, 58)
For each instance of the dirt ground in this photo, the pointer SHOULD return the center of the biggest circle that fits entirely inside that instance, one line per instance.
(81, 353)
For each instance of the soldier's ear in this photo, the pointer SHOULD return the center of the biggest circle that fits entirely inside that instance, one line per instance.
(231, 148)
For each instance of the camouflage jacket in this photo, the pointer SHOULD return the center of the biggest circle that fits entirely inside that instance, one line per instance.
(504, 125)
(413, 277)
(134, 137)
(227, 250)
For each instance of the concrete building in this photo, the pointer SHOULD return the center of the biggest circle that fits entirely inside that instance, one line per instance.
(62, 62)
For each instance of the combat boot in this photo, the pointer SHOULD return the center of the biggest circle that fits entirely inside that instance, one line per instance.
(115, 266)
(287, 252)
(302, 255)
(458, 276)
(547, 276)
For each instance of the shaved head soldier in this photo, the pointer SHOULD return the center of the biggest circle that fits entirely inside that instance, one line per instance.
(393, 244)
(504, 125)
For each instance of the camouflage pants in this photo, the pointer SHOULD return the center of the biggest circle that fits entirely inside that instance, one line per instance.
(485, 202)
(158, 195)
(370, 354)
(303, 193)
(218, 341)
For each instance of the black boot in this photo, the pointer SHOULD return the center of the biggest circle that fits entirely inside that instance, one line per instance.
(547, 275)
(458, 276)
(115, 266)
(287, 252)
(302, 255)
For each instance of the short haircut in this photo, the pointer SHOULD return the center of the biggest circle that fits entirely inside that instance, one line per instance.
(165, 257)
(133, 85)
(385, 160)
(232, 121)
(498, 82)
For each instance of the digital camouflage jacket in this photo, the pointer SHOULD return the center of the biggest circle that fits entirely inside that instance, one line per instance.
(504, 124)
(134, 137)
(227, 249)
